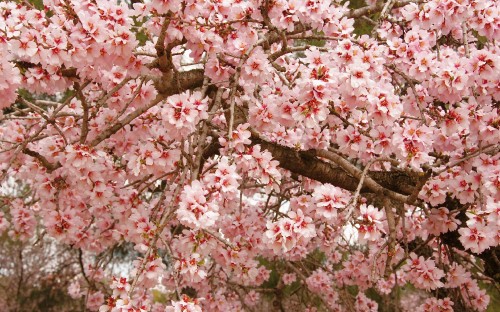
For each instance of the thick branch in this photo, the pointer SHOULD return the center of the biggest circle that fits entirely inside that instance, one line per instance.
(308, 165)
(176, 82)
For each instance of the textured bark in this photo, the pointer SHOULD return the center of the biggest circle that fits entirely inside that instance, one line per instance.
(306, 164)
(177, 82)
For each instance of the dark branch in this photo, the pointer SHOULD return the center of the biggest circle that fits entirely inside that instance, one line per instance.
(306, 164)
(48, 165)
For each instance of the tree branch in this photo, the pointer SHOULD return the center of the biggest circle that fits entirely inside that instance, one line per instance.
(352, 170)
(186, 80)
(48, 165)
(377, 7)
(306, 163)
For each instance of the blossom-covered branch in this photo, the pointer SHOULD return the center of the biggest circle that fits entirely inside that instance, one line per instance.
(241, 154)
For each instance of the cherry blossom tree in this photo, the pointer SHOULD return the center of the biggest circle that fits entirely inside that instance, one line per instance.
(258, 151)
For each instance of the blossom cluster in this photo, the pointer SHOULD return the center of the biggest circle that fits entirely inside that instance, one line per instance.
(243, 150)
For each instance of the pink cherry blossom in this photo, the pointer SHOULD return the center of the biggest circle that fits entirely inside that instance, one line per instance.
(194, 210)
(370, 227)
(328, 200)
(243, 155)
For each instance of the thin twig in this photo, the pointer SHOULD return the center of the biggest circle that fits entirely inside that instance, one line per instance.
(85, 119)
(489, 149)
(466, 40)
(351, 169)
(391, 246)
(413, 89)
(355, 198)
